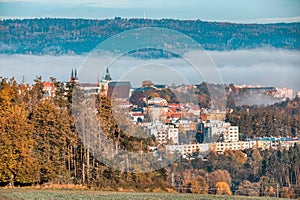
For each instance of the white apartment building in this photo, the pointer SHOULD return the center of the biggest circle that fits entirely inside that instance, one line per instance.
(188, 149)
(214, 129)
(236, 145)
(261, 144)
(232, 134)
(173, 135)
(158, 101)
(164, 133)
(284, 93)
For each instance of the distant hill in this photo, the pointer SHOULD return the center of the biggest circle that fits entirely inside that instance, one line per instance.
(77, 36)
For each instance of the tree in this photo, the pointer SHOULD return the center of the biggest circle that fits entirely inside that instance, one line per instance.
(147, 83)
(37, 93)
(222, 188)
(246, 188)
(198, 185)
(256, 162)
(17, 161)
(138, 98)
(218, 176)
(53, 136)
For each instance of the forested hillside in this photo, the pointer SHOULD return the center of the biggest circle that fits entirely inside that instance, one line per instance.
(77, 36)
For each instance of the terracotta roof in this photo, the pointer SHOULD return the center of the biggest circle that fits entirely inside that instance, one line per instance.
(137, 114)
(47, 84)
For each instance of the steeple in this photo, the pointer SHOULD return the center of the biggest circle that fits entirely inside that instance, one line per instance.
(76, 78)
(107, 75)
(73, 77)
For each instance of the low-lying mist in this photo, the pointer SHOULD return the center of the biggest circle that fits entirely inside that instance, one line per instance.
(266, 67)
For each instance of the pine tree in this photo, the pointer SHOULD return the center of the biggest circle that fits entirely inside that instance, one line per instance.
(17, 161)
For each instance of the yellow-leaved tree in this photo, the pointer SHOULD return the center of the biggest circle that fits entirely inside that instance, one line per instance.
(17, 160)
(222, 188)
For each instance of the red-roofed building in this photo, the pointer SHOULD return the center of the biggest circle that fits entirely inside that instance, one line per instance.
(49, 89)
(174, 113)
(137, 117)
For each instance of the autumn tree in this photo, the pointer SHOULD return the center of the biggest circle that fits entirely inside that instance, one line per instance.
(246, 188)
(218, 176)
(53, 136)
(198, 185)
(17, 160)
(222, 188)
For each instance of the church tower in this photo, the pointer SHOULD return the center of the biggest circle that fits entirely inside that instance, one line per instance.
(106, 78)
(74, 78)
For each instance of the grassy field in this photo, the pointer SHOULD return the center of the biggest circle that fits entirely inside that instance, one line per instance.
(45, 194)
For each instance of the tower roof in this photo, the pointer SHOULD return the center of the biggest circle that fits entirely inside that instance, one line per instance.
(107, 76)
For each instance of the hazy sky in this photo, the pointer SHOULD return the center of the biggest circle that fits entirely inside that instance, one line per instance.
(219, 10)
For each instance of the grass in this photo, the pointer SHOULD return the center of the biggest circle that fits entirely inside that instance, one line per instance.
(64, 194)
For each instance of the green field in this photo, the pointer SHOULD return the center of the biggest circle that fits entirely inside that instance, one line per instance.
(37, 194)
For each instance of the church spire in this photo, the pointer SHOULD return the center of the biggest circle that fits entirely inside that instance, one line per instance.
(107, 75)
(72, 74)
(73, 77)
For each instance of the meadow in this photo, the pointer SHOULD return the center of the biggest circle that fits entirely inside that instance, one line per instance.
(63, 194)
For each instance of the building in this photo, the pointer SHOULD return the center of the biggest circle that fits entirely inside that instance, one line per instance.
(189, 149)
(101, 87)
(89, 88)
(119, 89)
(157, 113)
(232, 134)
(214, 130)
(103, 83)
(137, 117)
(49, 89)
(164, 134)
(157, 101)
(74, 77)
(284, 93)
(173, 134)
(213, 115)
(259, 143)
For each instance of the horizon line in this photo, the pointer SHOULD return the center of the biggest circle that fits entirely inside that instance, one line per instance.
(250, 21)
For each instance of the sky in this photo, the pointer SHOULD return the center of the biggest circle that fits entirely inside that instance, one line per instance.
(260, 11)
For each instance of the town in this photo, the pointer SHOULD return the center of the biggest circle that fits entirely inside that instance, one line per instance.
(181, 128)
